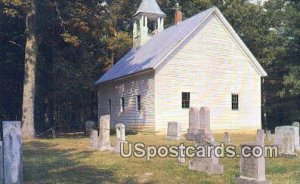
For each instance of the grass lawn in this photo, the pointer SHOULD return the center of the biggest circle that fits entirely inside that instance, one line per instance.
(70, 160)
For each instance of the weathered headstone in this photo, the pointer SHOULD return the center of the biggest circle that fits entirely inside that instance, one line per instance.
(194, 124)
(280, 133)
(1, 163)
(12, 155)
(120, 132)
(174, 132)
(288, 147)
(208, 163)
(296, 124)
(226, 138)
(268, 135)
(89, 126)
(181, 160)
(252, 169)
(204, 132)
(53, 133)
(204, 138)
(94, 139)
(181, 156)
(260, 137)
(204, 116)
(104, 134)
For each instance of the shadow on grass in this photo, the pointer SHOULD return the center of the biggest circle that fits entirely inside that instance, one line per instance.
(43, 163)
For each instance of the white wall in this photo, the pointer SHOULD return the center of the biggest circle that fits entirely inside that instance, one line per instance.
(143, 85)
(211, 66)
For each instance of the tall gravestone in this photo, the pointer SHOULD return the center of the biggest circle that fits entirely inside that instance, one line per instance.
(204, 131)
(226, 138)
(53, 133)
(260, 137)
(12, 155)
(204, 138)
(288, 147)
(297, 138)
(252, 169)
(194, 124)
(173, 132)
(1, 163)
(104, 134)
(297, 124)
(120, 132)
(94, 139)
(181, 157)
(281, 134)
(204, 116)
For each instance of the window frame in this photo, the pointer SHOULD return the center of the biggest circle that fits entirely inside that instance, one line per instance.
(122, 104)
(138, 103)
(235, 102)
(185, 100)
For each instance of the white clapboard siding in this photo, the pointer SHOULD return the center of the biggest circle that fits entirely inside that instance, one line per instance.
(211, 66)
(143, 85)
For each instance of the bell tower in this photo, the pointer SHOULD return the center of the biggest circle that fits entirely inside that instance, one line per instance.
(147, 21)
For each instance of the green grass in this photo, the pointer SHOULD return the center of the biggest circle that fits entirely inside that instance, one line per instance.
(70, 160)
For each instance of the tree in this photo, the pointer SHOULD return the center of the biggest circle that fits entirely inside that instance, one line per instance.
(31, 47)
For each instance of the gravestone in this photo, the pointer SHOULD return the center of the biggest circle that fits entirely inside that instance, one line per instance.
(120, 132)
(252, 169)
(296, 124)
(53, 133)
(104, 134)
(181, 160)
(204, 138)
(1, 163)
(260, 137)
(194, 124)
(94, 139)
(208, 163)
(174, 132)
(268, 135)
(12, 155)
(89, 126)
(204, 132)
(226, 138)
(204, 116)
(288, 147)
(281, 131)
(181, 156)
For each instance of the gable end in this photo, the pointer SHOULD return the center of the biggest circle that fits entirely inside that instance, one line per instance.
(253, 61)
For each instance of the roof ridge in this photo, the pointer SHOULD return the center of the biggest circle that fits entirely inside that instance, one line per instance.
(149, 54)
(154, 52)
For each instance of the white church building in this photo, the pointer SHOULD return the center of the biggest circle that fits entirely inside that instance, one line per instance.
(198, 62)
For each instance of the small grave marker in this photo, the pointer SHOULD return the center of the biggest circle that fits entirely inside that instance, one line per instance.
(174, 132)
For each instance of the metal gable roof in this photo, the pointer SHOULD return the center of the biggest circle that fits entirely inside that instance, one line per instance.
(149, 6)
(152, 52)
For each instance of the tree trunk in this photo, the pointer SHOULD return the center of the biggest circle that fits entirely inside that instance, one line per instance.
(30, 71)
